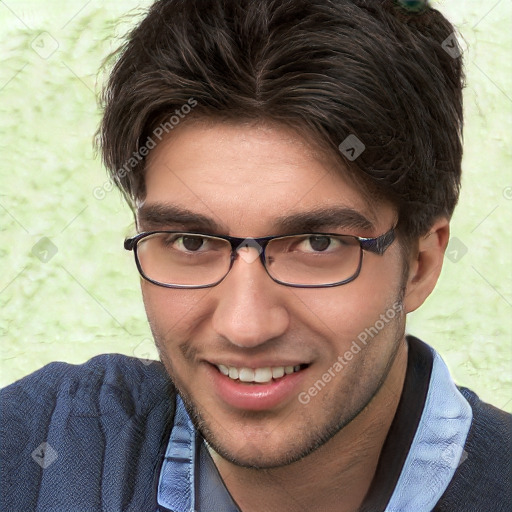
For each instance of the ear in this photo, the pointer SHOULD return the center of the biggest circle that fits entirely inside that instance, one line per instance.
(425, 264)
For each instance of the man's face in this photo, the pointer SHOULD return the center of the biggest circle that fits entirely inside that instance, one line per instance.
(246, 179)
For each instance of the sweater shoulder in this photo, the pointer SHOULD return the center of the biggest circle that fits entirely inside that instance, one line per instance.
(94, 431)
(483, 479)
(107, 383)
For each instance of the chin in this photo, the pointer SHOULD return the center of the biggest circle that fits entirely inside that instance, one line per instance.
(274, 447)
(268, 457)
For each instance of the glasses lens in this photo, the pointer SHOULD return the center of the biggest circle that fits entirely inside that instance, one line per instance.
(313, 260)
(183, 259)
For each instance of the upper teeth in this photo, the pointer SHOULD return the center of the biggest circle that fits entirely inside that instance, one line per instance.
(260, 375)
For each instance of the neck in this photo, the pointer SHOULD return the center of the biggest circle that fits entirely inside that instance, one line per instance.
(338, 475)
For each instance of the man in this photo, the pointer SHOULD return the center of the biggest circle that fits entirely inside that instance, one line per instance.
(292, 167)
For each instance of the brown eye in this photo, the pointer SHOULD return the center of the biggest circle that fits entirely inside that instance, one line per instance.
(319, 243)
(192, 243)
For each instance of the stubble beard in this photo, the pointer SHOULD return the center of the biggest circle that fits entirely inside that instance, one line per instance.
(312, 436)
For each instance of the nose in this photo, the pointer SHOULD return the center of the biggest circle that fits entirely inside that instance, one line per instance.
(250, 308)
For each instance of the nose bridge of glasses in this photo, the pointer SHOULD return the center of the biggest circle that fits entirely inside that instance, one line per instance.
(249, 249)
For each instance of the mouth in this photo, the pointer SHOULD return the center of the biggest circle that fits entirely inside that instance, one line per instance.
(258, 375)
(257, 389)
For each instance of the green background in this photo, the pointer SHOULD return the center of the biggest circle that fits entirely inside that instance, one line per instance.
(68, 290)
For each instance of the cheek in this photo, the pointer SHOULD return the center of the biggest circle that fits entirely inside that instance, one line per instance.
(347, 311)
(171, 312)
(339, 316)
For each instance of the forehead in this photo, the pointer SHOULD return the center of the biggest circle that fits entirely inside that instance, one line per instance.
(245, 176)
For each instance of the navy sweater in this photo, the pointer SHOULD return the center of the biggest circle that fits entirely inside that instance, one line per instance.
(107, 422)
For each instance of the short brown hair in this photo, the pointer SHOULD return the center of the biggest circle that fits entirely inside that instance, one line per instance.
(334, 68)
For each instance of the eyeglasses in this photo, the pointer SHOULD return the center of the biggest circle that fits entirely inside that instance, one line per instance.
(176, 259)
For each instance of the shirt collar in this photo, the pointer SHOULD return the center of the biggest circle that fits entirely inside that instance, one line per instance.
(189, 480)
(422, 451)
(438, 445)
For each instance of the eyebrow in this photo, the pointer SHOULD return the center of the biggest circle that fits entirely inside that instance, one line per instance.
(322, 218)
(166, 216)
(155, 216)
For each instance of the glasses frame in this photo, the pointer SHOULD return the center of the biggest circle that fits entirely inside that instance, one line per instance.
(376, 245)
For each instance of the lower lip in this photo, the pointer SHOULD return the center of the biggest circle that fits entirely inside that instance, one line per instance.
(256, 397)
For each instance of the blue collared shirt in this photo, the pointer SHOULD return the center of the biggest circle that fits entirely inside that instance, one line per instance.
(189, 480)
